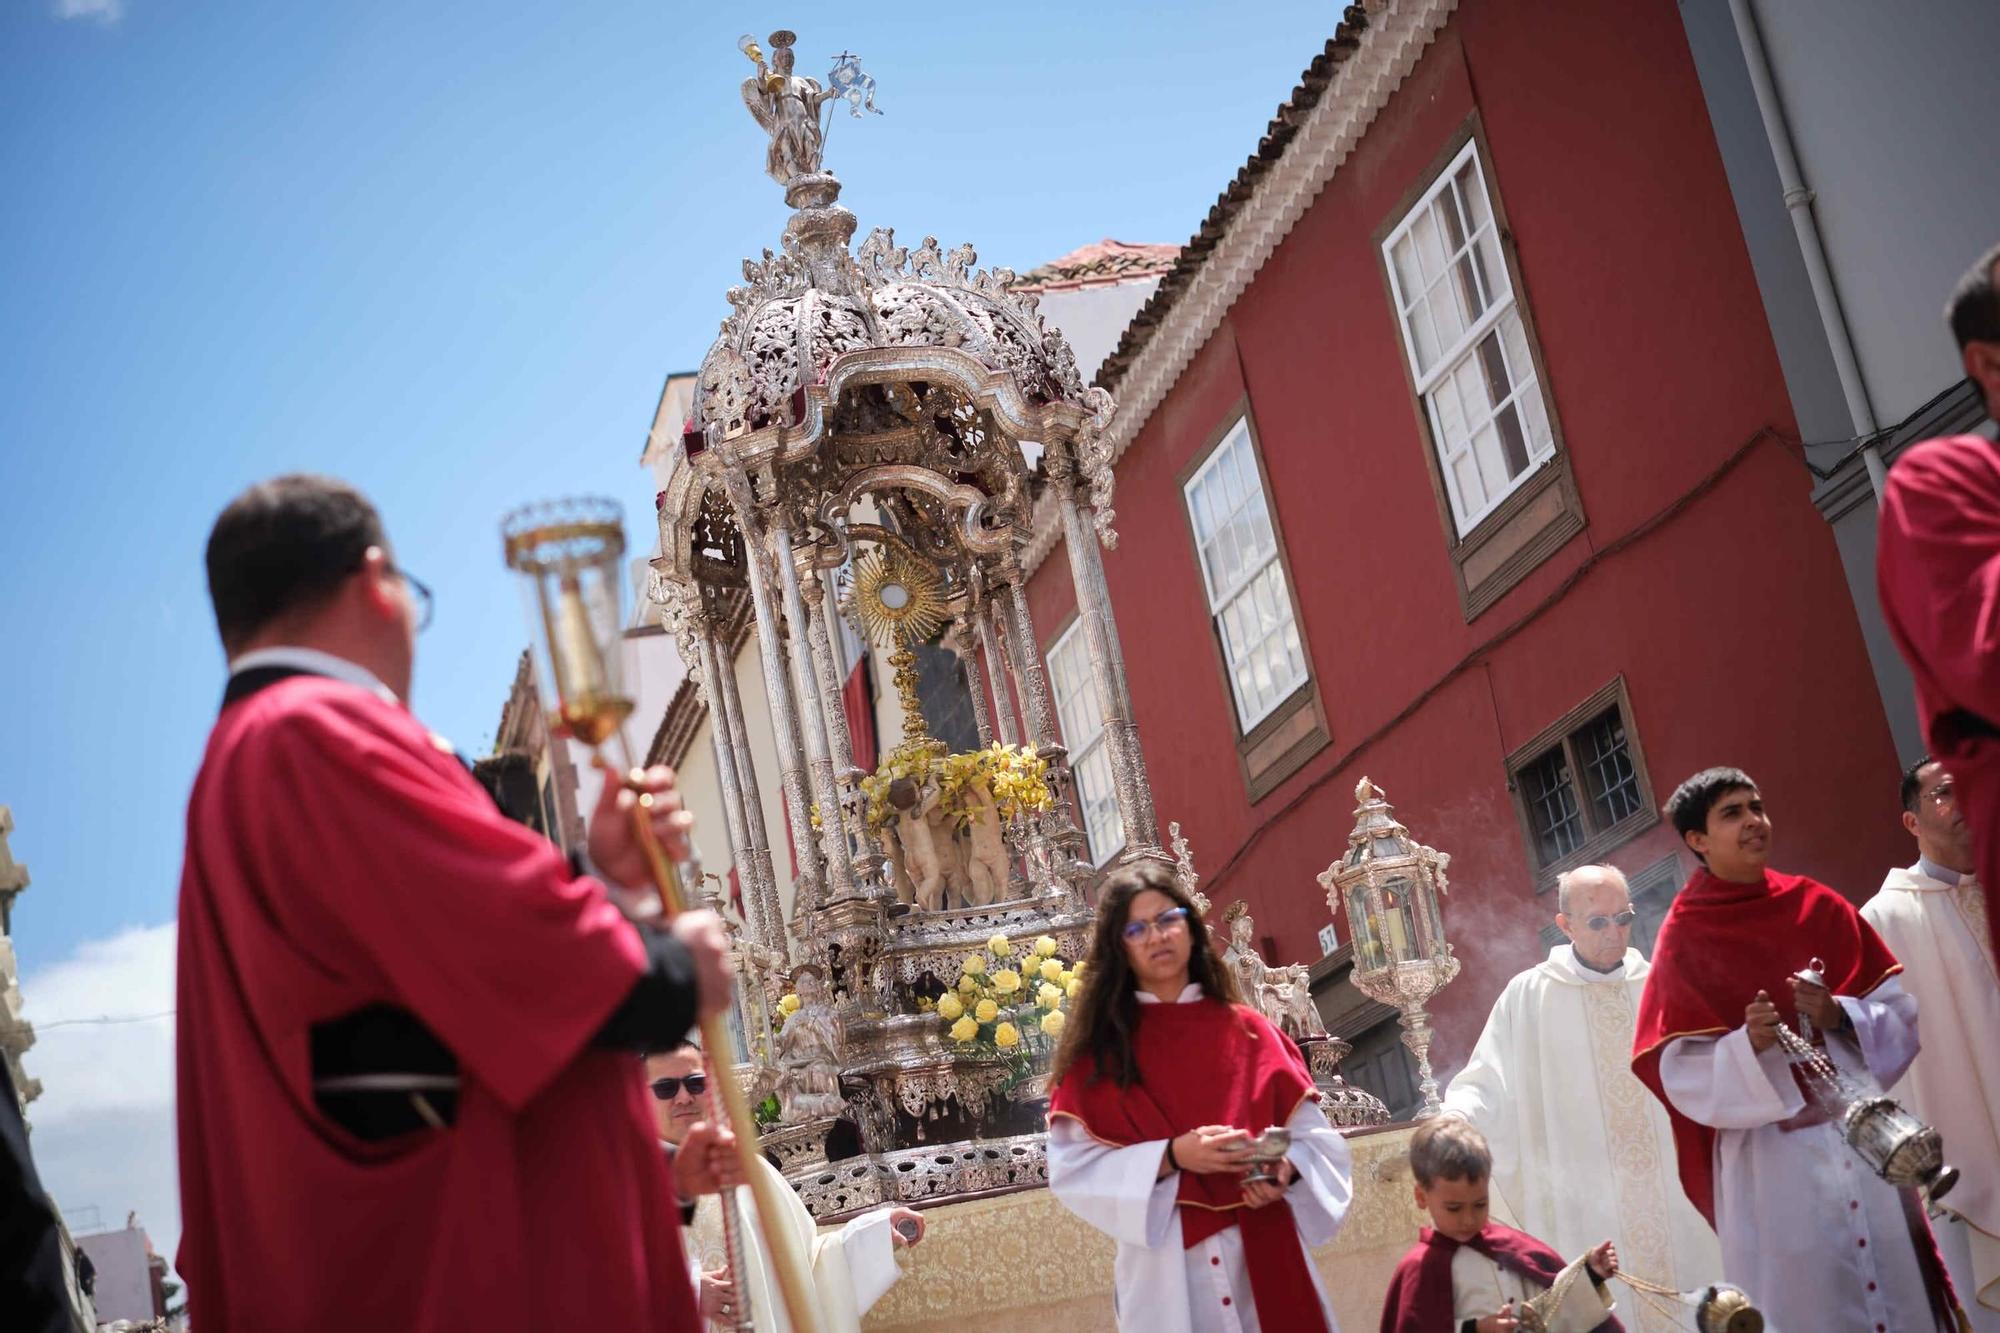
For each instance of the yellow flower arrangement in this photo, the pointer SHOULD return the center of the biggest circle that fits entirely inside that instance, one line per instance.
(1052, 1023)
(1013, 1011)
(986, 1011)
(1045, 947)
(1006, 1036)
(1051, 969)
(964, 1030)
(1006, 981)
(974, 965)
(1048, 997)
(949, 1007)
(1015, 777)
(1000, 947)
(968, 984)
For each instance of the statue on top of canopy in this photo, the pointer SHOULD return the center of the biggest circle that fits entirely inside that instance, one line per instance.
(787, 105)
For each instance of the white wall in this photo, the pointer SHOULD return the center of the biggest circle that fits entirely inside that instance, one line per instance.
(1093, 319)
(1888, 117)
(124, 1278)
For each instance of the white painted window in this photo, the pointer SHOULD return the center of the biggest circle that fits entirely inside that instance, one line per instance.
(1247, 592)
(1467, 347)
(1083, 733)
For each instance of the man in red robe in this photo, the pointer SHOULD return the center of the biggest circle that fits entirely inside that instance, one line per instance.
(409, 1095)
(1937, 569)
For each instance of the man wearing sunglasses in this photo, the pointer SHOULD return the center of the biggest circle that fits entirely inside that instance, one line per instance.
(1932, 915)
(852, 1265)
(406, 1027)
(1580, 1151)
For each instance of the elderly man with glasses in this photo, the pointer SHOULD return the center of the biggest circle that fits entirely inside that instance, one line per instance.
(1580, 1151)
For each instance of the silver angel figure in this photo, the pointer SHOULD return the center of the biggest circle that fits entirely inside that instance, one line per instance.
(787, 106)
(809, 1055)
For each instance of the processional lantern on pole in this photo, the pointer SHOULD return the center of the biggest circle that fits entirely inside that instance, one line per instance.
(568, 553)
(1389, 885)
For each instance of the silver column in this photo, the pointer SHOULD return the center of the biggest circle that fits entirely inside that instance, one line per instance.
(745, 827)
(764, 884)
(967, 651)
(1003, 703)
(1029, 673)
(839, 881)
(846, 824)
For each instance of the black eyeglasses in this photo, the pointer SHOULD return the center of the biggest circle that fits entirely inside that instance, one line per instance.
(666, 1089)
(1166, 923)
(1624, 918)
(420, 596)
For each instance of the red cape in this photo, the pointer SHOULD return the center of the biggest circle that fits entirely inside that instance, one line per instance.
(1210, 1063)
(1420, 1298)
(337, 858)
(1937, 571)
(1720, 944)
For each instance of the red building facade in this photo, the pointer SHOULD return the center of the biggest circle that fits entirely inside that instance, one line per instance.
(1621, 583)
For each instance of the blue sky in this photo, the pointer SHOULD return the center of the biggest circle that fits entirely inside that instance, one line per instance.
(449, 252)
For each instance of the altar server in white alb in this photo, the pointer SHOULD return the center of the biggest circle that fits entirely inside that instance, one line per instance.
(1580, 1150)
(1819, 1241)
(1933, 918)
(1162, 1080)
(852, 1265)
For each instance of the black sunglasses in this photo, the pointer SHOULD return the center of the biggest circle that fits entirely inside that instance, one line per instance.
(1624, 918)
(667, 1088)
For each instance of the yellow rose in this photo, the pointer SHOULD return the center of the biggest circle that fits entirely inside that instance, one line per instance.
(987, 1011)
(1076, 968)
(974, 965)
(964, 1029)
(1006, 1035)
(1000, 947)
(1066, 977)
(1075, 987)
(1045, 947)
(966, 985)
(1006, 981)
(949, 1007)
(1051, 970)
(1048, 996)
(1052, 1023)
(790, 1004)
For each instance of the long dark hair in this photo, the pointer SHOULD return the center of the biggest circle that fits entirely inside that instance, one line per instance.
(1102, 1019)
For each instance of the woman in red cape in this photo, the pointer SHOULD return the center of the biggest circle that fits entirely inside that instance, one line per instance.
(1163, 1078)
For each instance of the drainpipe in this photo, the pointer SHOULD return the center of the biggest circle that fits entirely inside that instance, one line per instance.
(1799, 203)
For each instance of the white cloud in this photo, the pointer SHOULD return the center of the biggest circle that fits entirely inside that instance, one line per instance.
(104, 1124)
(99, 11)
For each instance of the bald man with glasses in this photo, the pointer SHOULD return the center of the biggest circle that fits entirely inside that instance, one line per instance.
(1580, 1150)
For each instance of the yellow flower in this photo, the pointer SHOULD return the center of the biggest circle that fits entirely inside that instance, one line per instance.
(1048, 996)
(1045, 947)
(1076, 968)
(987, 1011)
(964, 1029)
(1052, 1023)
(790, 1004)
(1051, 970)
(949, 1007)
(966, 985)
(974, 965)
(1006, 1035)
(1075, 987)
(1006, 981)
(1066, 977)
(1000, 947)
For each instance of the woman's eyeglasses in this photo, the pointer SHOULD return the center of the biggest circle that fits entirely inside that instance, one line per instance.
(1167, 922)
(667, 1088)
(1624, 918)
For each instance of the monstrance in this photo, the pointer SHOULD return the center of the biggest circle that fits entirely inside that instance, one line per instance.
(569, 553)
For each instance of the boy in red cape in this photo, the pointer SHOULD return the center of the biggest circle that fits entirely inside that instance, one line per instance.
(1162, 1080)
(408, 1097)
(1469, 1274)
(1937, 572)
(1815, 1237)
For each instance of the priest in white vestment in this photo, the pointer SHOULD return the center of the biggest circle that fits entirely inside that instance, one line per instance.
(1821, 1243)
(1581, 1151)
(1933, 918)
(851, 1266)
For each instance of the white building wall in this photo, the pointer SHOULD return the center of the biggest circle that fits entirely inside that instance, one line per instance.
(124, 1275)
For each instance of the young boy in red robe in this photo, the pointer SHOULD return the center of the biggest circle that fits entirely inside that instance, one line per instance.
(1937, 570)
(1468, 1273)
(405, 1028)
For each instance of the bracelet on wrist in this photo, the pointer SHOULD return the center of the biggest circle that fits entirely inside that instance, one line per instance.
(1173, 1164)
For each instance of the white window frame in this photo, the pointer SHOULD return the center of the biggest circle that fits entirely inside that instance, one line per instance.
(1254, 568)
(1480, 257)
(1083, 734)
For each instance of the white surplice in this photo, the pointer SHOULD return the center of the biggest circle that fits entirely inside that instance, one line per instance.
(1479, 1287)
(1817, 1239)
(1937, 930)
(851, 1266)
(1582, 1153)
(1162, 1285)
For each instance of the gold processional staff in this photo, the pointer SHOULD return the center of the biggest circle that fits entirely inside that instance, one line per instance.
(570, 554)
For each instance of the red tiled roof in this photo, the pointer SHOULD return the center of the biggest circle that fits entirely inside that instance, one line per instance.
(1098, 265)
(1290, 115)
